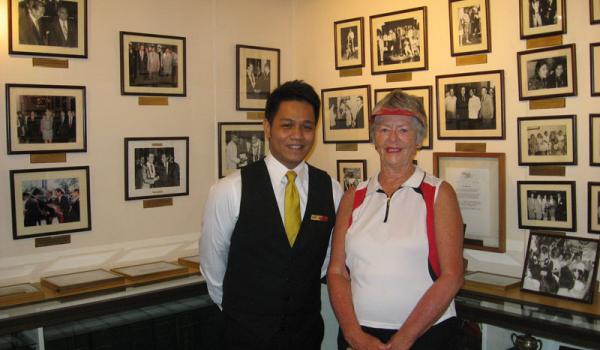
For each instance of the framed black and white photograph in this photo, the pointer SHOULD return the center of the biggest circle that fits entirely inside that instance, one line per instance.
(346, 113)
(561, 266)
(349, 41)
(351, 172)
(399, 41)
(470, 27)
(152, 64)
(240, 144)
(595, 68)
(257, 75)
(470, 105)
(547, 205)
(542, 18)
(156, 167)
(547, 72)
(50, 201)
(595, 139)
(424, 94)
(594, 11)
(48, 28)
(45, 118)
(549, 140)
(594, 207)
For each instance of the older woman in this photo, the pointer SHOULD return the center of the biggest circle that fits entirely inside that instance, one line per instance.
(396, 260)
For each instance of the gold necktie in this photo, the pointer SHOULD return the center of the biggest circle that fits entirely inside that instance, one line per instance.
(292, 208)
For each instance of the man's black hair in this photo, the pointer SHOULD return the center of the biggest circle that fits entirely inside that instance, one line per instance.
(295, 90)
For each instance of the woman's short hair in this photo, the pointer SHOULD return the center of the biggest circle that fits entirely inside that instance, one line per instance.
(399, 100)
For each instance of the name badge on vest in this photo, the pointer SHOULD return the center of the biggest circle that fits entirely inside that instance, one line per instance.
(321, 218)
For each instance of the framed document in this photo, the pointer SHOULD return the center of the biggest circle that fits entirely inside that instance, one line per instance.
(491, 280)
(155, 270)
(547, 205)
(479, 182)
(469, 27)
(82, 281)
(349, 42)
(548, 140)
(190, 261)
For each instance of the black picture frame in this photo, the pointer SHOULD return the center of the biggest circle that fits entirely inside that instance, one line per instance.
(352, 32)
(235, 153)
(594, 139)
(538, 146)
(548, 22)
(253, 96)
(352, 124)
(594, 207)
(481, 38)
(594, 12)
(347, 170)
(536, 212)
(595, 68)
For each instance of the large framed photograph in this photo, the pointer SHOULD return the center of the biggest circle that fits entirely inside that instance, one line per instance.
(257, 75)
(547, 72)
(50, 201)
(595, 68)
(349, 40)
(45, 118)
(351, 172)
(345, 114)
(542, 18)
(424, 94)
(470, 27)
(470, 105)
(240, 144)
(399, 41)
(479, 180)
(594, 11)
(156, 167)
(547, 205)
(152, 65)
(548, 140)
(594, 207)
(561, 266)
(595, 139)
(48, 28)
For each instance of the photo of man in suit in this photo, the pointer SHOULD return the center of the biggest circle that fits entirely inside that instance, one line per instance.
(62, 31)
(31, 30)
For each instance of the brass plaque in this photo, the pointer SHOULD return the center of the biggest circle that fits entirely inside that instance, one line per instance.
(50, 63)
(159, 202)
(472, 59)
(153, 101)
(352, 72)
(398, 77)
(255, 115)
(346, 147)
(547, 170)
(548, 103)
(48, 158)
(544, 42)
(53, 240)
(470, 147)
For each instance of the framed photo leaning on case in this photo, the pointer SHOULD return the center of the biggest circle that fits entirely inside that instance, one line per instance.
(349, 41)
(549, 140)
(542, 18)
(470, 27)
(547, 205)
(257, 75)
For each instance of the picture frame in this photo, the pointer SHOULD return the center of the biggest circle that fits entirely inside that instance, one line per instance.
(60, 30)
(240, 144)
(594, 139)
(50, 201)
(595, 68)
(594, 11)
(548, 140)
(19, 294)
(190, 261)
(45, 118)
(470, 31)
(255, 75)
(150, 271)
(349, 41)
(594, 207)
(538, 18)
(351, 172)
(479, 180)
(152, 64)
(386, 54)
(547, 205)
(575, 276)
(82, 281)
(156, 167)
(538, 78)
(484, 120)
(345, 119)
(491, 280)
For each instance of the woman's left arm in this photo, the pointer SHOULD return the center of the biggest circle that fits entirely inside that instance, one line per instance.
(449, 243)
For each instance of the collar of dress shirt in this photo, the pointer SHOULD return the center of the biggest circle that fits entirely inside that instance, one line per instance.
(277, 172)
(414, 181)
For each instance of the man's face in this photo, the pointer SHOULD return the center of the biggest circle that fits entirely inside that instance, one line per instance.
(163, 158)
(151, 158)
(559, 70)
(63, 14)
(38, 12)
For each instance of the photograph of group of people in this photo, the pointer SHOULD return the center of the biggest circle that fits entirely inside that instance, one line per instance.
(48, 23)
(469, 28)
(46, 119)
(346, 112)
(156, 167)
(244, 148)
(349, 43)
(542, 13)
(470, 106)
(152, 64)
(547, 205)
(50, 201)
(547, 140)
(547, 73)
(398, 42)
(258, 78)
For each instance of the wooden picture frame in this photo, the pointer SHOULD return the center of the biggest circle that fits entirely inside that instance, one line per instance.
(595, 68)
(255, 75)
(240, 144)
(537, 19)
(491, 280)
(345, 115)
(575, 276)
(156, 167)
(19, 294)
(351, 172)
(45, 118)
(82, 281)
(190, 261)
(424, 93)
(349, 43)
(594, 11)
(479, 180)
(150, 271)
(594, 139)
(60, 31)
(538, 78)
(547, 205)
(50, 201)
(390, 54)
(594, 207)
(485, 119)
(152, 64)
(548, 140)
(470, 31)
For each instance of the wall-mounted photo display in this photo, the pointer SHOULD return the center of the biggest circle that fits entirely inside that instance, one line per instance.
(561, 266)
(399, 41)
(156, 167)
(594, 207)
(424, 94)
(547, 205)
(351, 172)
(542, 18)
(470, 105)
(470, 27)
(257, 75)
(50, 201)
(548, 140)
(594, 11)
(547, 72)
(152, 65)
(45, 118)
(346, 113)
(595, 68)
(240, 144)
(48, 28)
(349, 41)
(595, 139)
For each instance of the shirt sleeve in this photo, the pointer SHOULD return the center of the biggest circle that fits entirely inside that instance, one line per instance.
(337, 196)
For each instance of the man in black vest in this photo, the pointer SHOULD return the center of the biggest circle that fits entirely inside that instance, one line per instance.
(264, 274)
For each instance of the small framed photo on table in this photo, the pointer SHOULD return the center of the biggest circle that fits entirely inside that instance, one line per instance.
(595, 139)
(240, 144)
(351, 172)
(548, 140)
(595, 68)
(594, 207)
(349, 42)
(594, 11)
(547, 205)
(470, 27)
(542, 18)
(346, 113)
(257, 75)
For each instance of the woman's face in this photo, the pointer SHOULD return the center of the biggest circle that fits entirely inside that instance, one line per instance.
(395, 140)
(543, 71)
